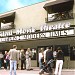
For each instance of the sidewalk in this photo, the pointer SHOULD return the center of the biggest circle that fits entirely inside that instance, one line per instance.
(73, 70)
(35, 71)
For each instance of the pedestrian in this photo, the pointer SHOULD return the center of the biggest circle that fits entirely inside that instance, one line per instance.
(28, 59)
(4, 58)
(41, 58)
(13, 59)
(49, 56)
(59, 61)
(47, 48)
(1, 56)
(23, 58)
(19, 59)
(7, 60)
(54, 55)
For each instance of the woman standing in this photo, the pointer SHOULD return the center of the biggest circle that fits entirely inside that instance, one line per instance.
(41, 58)
(7, 60)
(28, 59)
(59, 61)
(5, 66)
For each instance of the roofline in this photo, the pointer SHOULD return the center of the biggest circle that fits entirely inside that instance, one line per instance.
(23, 7)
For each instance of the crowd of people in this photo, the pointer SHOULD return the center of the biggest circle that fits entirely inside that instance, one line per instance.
(49, 54)
(13, 56)
(4, 60)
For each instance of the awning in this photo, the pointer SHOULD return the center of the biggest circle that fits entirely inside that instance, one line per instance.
(59, 5)
(6, 18)
(8, 15)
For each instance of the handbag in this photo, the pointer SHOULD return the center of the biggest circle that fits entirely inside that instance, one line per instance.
(4, 61)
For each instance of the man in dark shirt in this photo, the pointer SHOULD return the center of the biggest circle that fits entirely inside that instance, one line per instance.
(49, 57)
(49, 54)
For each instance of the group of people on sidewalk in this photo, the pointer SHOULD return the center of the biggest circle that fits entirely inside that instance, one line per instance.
(25, 58)
(15, 56)
(57, 55)
(4, 60)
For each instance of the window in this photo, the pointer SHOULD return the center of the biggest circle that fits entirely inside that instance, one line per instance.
(72, 53)
(60, 16)
(7, 21)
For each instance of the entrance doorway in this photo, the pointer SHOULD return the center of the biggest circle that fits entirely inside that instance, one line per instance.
(44, 48)
(65, 49)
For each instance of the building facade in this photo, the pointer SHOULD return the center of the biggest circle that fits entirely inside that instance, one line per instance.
(49, 23)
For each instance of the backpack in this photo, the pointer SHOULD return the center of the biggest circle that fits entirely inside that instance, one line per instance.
(22, 56)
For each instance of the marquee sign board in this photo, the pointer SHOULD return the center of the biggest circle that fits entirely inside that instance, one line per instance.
(31, 34)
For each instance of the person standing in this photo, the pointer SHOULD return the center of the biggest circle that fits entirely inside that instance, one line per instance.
(5, 62)
(54, 55)
(28, 59)
(49, 56)
(45, 54)
(13, 59)
(23, 59)
(41, 57)
(19, 59)
(59, 61)
(1, 56)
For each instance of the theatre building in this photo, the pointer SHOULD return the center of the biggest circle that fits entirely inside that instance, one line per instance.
(50, 23)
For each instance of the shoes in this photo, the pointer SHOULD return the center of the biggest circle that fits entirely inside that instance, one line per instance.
(41, 72)
(28, 69)
(31, 69)
(22, 69)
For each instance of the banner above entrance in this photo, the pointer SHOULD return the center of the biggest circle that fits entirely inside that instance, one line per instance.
(38, 35)
(46, 31)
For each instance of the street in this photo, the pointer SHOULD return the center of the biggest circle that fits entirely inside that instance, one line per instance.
(35, 71)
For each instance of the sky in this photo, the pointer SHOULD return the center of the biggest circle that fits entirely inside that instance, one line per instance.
(8, 5)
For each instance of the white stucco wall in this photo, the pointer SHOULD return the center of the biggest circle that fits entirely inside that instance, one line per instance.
(30, 16)
(74, 11)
